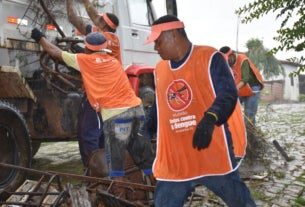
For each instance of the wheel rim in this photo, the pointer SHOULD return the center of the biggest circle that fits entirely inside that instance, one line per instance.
(8, 154)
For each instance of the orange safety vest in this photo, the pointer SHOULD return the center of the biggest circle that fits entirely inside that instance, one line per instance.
(238, 131)
(105, 82)
(246, 89)
(183, 95)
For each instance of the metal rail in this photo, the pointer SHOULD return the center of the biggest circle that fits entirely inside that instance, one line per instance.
(50, 16)
(83, 178)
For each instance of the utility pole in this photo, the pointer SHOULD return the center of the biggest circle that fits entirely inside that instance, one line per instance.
(237, 31)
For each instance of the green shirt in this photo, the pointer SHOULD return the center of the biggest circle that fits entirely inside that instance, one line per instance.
(247, 75)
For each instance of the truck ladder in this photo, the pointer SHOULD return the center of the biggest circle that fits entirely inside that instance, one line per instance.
(38, 13)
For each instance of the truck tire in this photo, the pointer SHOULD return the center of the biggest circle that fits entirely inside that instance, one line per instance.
(35, 147)
(15, 148)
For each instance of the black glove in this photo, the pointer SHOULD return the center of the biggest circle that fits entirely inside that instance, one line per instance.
(204, 131)
(37, 34)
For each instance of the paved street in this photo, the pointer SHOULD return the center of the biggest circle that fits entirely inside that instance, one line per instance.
(285, 183)
(279, 183)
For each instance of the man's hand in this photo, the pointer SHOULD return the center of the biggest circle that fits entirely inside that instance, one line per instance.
(37, 34)
(204, 131)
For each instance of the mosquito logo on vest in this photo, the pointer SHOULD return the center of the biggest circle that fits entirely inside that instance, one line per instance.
(179, 95)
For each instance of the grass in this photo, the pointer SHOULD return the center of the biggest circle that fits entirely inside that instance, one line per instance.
(258, 195)
(279, 174)
(300, 201)
(72, 167)
(301, 178)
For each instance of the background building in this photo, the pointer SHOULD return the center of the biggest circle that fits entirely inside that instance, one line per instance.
(286, 87)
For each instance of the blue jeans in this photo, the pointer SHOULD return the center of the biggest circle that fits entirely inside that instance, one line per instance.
(90, 131)
(230, 188)
(125, 132)
(250, 105)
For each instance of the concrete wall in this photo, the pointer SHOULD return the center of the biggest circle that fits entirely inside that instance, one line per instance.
(282, 87)
(273, 91)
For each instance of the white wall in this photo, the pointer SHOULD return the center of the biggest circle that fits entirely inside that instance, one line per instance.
(291, 92)
(291, 87)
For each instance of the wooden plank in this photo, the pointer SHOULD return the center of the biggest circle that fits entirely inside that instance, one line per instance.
(21, 45)
(79, 196)
(13, 85)
(29, 186)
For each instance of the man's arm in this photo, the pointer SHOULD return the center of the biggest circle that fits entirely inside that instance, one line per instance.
(223, 105)
(92, 12)
(75, 20)
(225, 89)
(69, 58)
(50, 48)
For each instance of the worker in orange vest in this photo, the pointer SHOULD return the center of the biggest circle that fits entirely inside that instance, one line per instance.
(196, 95)
(248, 80)
(90, 125)
(109, 93)
(237, 127)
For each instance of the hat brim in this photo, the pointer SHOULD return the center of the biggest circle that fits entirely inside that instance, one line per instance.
(154, 35)
(96, 48)
(156, 30)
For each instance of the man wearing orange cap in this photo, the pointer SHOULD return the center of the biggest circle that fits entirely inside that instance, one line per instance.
(90, 133)
(196, 95)
(105, 23)
(109, 93)
(248, 80)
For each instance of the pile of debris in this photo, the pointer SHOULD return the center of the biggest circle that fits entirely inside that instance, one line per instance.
(259, 150)
(50, 190)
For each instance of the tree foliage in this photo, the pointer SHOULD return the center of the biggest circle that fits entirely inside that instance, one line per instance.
(264, 60)
(291, 34)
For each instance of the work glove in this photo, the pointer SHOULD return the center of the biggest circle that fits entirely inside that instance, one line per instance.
(37, 34)
(204, 131)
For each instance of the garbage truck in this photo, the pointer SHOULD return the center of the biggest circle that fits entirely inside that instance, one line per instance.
(39, 97)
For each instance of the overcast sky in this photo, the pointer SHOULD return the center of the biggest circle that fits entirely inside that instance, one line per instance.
(214, 23)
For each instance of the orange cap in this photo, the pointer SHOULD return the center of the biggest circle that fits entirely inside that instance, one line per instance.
(157, 29)
(108, 21)
(96, 47)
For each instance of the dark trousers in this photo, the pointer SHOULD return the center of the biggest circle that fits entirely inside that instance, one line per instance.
(90, 130)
